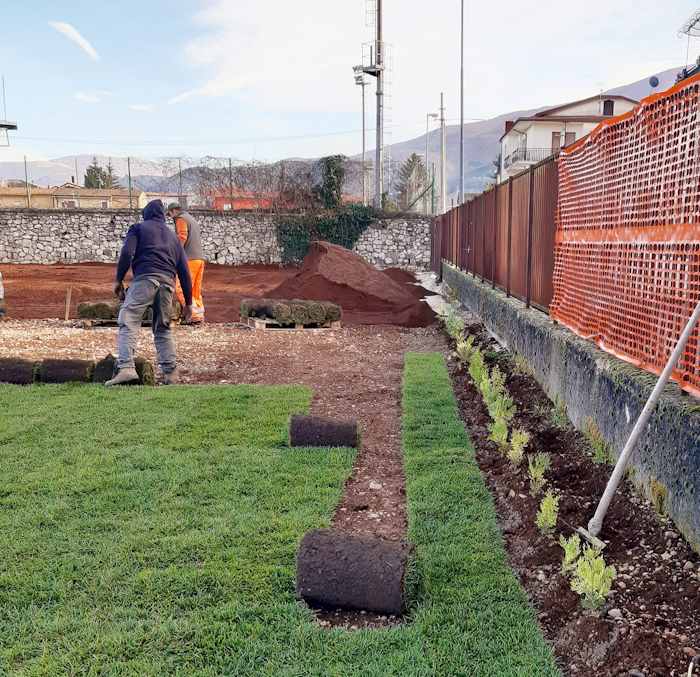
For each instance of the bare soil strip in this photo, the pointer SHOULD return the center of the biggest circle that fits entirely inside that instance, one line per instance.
(651, 623)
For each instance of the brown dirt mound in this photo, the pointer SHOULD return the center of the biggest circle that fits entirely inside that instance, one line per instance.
(366, 295)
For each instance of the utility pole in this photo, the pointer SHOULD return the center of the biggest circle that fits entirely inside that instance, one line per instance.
(26, 184)
(461, 111)
(379, 152)
(128, 170)
(179, 172)
(77, 178)
(443, 158)
(230, 181)
(428, 206)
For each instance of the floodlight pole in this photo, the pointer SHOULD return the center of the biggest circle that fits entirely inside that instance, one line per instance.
(128, 169)
(26, 184)
(379, 151)
(443, 159)
(461, 112)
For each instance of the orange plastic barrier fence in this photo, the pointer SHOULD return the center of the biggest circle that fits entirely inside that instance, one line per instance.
(627, 265)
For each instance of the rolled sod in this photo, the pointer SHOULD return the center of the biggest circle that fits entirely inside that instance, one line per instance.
(340, 570)
(98, 310)
(313, 431)
(295, 311)
(65, 371)
(106, 368)
(17, 372)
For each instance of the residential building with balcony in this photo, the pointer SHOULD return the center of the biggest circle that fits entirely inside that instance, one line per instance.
(529, 140)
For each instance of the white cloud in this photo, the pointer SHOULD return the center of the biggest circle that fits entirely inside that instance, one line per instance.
(298, 59)
(74, 36)
(142, 107)
(93, 97)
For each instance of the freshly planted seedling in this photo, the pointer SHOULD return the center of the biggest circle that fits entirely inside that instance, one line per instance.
(558, 416)
(521, 366)
(537, 467)
(548, 513)
(592, 579)
(454, 325)
(600, 448)
(498, 430)
(518, 441)
(465, 349)
(477, 368)
(572, 551)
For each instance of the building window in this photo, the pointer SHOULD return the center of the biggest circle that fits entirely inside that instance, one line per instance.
(569, 138)
(105, 204)
(69, 204)
(556, 142)
(608, 107)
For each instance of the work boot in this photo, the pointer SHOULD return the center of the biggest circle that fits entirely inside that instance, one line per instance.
(171, 378)
(123, 377)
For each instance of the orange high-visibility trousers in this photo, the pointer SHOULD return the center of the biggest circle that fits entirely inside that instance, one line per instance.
(197, 275)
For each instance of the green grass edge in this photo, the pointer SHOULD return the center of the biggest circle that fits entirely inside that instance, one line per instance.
(462, 581)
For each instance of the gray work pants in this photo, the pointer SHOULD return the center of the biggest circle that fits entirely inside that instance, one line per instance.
(143, 292)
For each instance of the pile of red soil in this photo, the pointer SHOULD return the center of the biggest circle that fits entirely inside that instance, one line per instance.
(366, 294)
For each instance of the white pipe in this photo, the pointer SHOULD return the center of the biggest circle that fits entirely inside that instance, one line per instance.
(596, 524)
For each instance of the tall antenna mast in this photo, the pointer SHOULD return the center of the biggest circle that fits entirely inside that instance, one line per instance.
(379, 152)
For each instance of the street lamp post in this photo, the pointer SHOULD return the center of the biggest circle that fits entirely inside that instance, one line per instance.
(361, 82)
(428, 116)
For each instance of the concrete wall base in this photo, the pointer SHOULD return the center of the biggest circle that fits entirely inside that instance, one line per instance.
(597, 387)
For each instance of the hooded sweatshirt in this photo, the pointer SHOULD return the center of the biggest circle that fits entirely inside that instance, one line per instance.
(151, 249)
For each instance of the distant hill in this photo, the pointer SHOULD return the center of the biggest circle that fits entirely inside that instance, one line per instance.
(482, 139)
(481, 151)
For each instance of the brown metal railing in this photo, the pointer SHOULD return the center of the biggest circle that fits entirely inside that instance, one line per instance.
(506, 235)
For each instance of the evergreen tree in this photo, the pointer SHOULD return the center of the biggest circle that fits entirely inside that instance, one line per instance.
(110, 179)
(412, 180)
(94, 175)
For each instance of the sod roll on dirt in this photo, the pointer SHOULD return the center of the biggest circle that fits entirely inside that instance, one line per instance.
(294, 311)
(106, 368)
(65, 371)
(340, 570)
(98, 310)
(314, 431)
(17, 372)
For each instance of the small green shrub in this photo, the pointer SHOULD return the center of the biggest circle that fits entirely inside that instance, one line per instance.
(477, 368)
(572, 551)
(519, 439)
(450, 295)
(454, 325)
(537, 467)
(601, 449)
(498, 430)
(558, 415)
(465, 349)
(522, 366)
(548, 513)
(592, 579)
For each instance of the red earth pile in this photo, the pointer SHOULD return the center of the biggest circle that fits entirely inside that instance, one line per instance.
(366, 295)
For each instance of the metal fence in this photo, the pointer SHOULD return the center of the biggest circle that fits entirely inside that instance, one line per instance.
(506, 235)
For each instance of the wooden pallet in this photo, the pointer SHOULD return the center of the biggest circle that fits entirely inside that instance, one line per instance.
(264, 323)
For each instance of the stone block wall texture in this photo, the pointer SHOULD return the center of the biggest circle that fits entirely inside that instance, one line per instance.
(598, 387)
(77, 236)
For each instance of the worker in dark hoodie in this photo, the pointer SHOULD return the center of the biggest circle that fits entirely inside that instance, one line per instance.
(155, 255)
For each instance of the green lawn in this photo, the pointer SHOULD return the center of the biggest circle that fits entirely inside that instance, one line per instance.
(153, 531)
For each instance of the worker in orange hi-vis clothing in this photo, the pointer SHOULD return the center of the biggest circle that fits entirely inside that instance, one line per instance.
(187, 230)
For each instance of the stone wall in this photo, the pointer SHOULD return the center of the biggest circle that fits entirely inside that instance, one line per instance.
(599, 387)
(75, 236)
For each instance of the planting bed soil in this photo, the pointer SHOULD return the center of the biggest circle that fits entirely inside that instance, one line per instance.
(39, 292)
(650, 624)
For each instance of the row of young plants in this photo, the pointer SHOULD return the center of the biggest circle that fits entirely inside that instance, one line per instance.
(582, 564)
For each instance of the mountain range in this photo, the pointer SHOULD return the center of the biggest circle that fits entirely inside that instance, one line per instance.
(481, 144)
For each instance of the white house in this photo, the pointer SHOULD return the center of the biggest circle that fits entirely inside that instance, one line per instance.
(529, 140)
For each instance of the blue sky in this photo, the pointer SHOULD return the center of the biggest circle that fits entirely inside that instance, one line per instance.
(271, 78)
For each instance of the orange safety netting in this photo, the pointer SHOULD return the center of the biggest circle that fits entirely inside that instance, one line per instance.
(627, 264)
